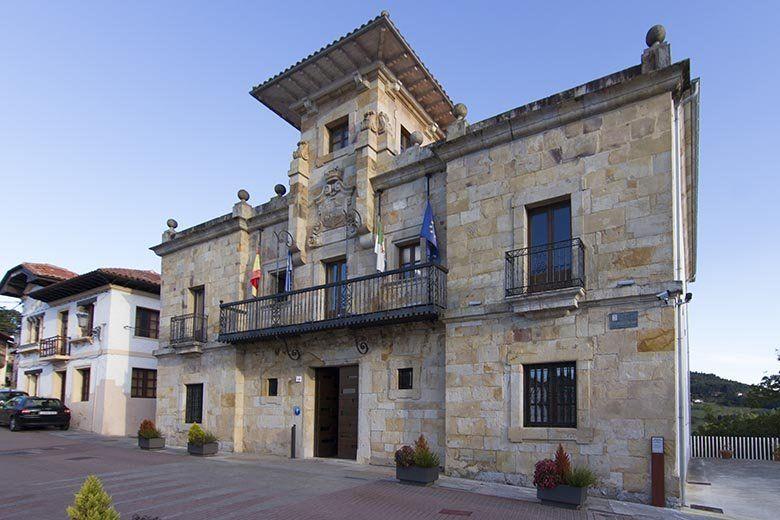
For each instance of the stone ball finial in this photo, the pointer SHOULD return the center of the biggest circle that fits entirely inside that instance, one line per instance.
(243, 195)
(385, 13)
(416, 138)
(172, 224)
(460, 111)
(280, 189)
(656, 34)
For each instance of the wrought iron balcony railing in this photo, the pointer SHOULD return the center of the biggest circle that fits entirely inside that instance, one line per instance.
(54, 346)
(545, 267)
(408, 294)
(188, 328)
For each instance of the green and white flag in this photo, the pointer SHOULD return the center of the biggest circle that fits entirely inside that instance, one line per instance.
(379, 247)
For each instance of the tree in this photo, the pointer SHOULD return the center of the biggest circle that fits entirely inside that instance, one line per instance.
(764, 424)
(766, 394)
(9, 320)
(92, 502)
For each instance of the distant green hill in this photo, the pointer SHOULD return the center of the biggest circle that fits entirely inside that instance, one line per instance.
(713, 389)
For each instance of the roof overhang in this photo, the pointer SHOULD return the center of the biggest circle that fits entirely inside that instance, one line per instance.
(89, 281)
(18, 278)
(376, 41)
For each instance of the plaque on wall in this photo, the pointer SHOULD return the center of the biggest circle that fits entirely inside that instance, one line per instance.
(624, 320)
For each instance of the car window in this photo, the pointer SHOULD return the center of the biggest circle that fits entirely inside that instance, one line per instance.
(39, 402)
(13, 402)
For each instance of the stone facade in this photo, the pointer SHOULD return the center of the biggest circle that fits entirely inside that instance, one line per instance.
(620, 151)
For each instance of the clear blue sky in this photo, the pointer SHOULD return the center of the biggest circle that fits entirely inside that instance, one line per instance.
(114, 118)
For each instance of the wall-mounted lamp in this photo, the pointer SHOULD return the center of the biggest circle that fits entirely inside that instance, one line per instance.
(84, 319)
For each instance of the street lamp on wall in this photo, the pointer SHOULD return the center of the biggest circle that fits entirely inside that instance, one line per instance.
(84, 318)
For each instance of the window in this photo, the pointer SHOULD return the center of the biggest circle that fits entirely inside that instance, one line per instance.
(551, 395)
(147, 322)
(198, 295)
(193, 412)
(406, 139)
(64, 324)
(335, 297)
(84, 373)
(409, 256)
(35, 330)
(405, 378)
(273, 387)
(280, 281)
(550, 251)
(144, 383)
(338, 135)
(32, 384)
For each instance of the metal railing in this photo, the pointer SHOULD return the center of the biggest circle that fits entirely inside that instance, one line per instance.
(545, 267)
(750, 448)
(54, 346)
(188, 327)
(408, 294)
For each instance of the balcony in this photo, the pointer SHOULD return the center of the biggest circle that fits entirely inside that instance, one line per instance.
(54, 347)
(188, 329)
(410, 294)
(548, 278)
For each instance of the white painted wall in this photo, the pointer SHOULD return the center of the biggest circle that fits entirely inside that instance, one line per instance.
(110, 409)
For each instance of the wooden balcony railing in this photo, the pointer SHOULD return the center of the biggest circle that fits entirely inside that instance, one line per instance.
(54, 346)
(408, 294)
(545, 267)
(188, 328)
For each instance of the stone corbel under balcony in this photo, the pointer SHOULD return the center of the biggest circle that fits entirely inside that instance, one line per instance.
(557, 302)
(188, 347)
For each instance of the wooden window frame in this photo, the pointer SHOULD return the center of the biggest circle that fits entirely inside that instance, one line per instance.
(556, 386)
(85, 374)
(193, 403)
(150, 330)
(139, 383)
(403, 373)
(338, 134)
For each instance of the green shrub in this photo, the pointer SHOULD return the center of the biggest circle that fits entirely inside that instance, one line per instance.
(92, 502)
(423, 456)
(148, 430)
(198, 436)
(581, 477)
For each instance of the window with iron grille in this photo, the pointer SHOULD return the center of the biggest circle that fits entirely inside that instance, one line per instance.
(84, 372)
(273, 387)
(193, 412)
(338, 135)
(551, 395)
(144, 383)
(405, 378)
(147, 322)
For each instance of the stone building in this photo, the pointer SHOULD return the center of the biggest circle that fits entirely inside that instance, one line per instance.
(551, 311)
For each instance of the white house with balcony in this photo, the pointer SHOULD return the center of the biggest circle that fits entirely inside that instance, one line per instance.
(88, 340)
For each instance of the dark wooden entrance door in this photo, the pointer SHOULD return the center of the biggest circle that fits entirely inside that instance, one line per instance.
(348, 412)
(336, 412)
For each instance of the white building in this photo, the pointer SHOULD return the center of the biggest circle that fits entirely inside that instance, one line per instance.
(88, 340)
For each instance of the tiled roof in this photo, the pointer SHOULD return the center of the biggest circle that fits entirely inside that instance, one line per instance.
(48, 271)
(143, 276)
(148, 281)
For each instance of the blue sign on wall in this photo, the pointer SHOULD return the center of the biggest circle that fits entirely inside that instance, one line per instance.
(297, 410)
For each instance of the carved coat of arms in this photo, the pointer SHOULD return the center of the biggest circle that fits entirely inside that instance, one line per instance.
(333, 204)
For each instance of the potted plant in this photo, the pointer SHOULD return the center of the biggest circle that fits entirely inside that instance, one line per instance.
(726, 452)
(558, 484)
(149, 437)
(776, 454)
(418, 465)
(201, 442)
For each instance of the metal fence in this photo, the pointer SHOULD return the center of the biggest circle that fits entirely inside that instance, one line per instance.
(188, 327)
(545, 267)
(54, 346)
(748, 448)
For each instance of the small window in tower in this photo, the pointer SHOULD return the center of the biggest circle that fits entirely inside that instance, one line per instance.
(406, 139)
(273, 387)
(405, 379)
(338, 135)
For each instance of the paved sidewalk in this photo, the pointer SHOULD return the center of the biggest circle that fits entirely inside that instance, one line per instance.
(741, 488)
(45, 468)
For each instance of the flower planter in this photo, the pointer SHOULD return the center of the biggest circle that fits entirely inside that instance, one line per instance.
(417, 476)
(156, 443)
(726, 454)
(203, 450)
(562, 495)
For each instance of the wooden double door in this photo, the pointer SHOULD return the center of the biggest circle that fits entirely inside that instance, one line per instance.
(336, 412)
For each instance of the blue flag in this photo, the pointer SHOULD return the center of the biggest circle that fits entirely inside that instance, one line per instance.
(289, 273)
(428, 232)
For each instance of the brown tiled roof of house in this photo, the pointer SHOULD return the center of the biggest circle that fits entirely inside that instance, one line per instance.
(147, 281)
(143, 276)
(48, 270)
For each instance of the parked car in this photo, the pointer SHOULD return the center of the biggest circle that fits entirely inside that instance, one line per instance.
(6, 394)
(25, 411)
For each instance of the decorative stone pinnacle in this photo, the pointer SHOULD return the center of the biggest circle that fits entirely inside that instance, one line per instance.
(656, 34)
(243, 195)
(172, 224)
(386, 14)
(416, 138)
(460, 111)
(280, 190)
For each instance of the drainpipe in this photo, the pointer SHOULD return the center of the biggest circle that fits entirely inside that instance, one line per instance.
(681, 317)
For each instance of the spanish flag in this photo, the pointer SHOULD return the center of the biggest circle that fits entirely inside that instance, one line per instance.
(257, 272)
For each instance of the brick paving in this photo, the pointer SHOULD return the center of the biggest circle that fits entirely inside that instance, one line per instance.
(43, 469)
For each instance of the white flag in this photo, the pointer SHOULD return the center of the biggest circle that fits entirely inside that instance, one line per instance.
(379, 247)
